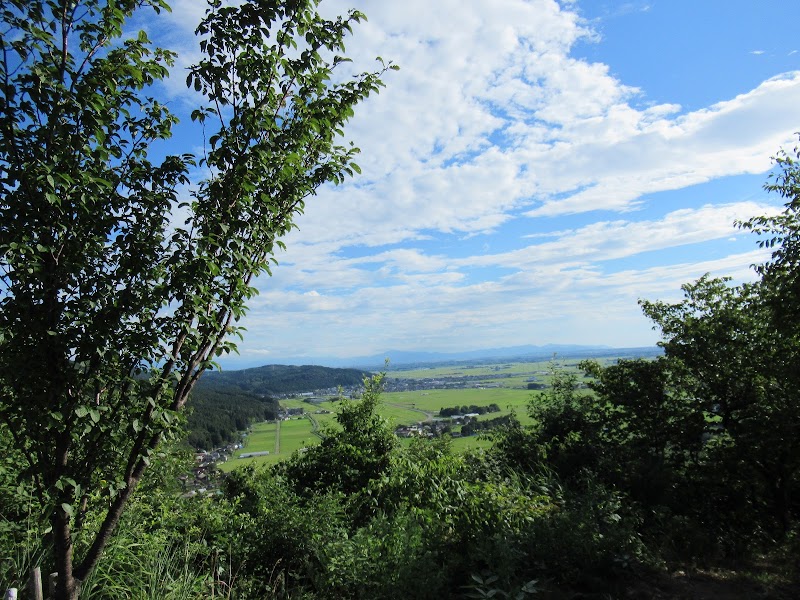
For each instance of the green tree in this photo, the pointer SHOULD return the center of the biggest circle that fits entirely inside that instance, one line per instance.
(779, 291)
(350, 455)
(742, 373)
(109, 311)
(564, 433)
(651, 427)
(781, 232)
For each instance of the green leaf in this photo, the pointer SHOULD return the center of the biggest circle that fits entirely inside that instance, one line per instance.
(102, 287)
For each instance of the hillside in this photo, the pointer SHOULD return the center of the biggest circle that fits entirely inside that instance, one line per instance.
(224, 403)
(277, 380)
(217, 413)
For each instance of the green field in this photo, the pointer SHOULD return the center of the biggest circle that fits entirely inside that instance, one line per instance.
(514, 375)
(294, 434)
(399, 408)
(492, 369)
(489, 371)
(408, 408)
(432, 401)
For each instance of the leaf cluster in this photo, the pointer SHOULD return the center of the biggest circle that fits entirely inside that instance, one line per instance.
(110, 311)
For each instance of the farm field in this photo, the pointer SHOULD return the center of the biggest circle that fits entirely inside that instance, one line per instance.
(431, 401)
(515, 375)
(487, 370)
(294, 434)
(400, 408)
(408, 407)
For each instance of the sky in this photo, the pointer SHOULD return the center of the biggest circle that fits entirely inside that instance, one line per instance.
(532, 171)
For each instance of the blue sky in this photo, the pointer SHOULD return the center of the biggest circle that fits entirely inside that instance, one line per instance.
(532, 171)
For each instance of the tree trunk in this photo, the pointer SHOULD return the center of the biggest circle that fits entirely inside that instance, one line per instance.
(67, 588)
(781, 499)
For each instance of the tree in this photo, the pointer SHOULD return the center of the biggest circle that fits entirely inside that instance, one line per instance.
(564, 434)
(350, 455)
(740, 370)
(733, 369)
(110, 310)
(781, 274)
(651, 427)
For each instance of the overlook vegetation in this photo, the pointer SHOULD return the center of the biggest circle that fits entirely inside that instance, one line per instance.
(111, 313)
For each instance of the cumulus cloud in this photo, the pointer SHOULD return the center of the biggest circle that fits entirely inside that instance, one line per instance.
(494, 135)
(571, 281)
(472, 139)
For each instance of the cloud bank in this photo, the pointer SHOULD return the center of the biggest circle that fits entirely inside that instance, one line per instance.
(511, 192)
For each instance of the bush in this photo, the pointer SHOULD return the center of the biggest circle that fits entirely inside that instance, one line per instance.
(588, 542)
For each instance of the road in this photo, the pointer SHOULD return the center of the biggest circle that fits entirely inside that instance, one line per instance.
(314, 426)
(428, 415)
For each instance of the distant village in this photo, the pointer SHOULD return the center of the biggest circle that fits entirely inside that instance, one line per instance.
(399, 384)
(460, 382)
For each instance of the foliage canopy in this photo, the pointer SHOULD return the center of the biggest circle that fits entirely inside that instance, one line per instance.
(110, 307)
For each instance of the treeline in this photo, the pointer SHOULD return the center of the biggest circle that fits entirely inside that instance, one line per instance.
(465, 410)
(274, 380)
(474, 426)
(217, 414)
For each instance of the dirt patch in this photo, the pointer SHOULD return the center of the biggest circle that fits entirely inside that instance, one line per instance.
(713, 585)
(762, 581)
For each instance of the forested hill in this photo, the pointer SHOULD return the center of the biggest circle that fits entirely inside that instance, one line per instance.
(216, 414)
(224, 403)
(273, 380)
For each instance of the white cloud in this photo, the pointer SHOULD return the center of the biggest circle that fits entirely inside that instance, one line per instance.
(443, 153)
(492, 122)
(568, 283)
(604, 241)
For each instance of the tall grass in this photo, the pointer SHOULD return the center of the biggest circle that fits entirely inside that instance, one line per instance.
(22, 548)
(152, 570)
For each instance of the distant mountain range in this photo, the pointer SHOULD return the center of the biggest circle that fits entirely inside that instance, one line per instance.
(409, 358)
